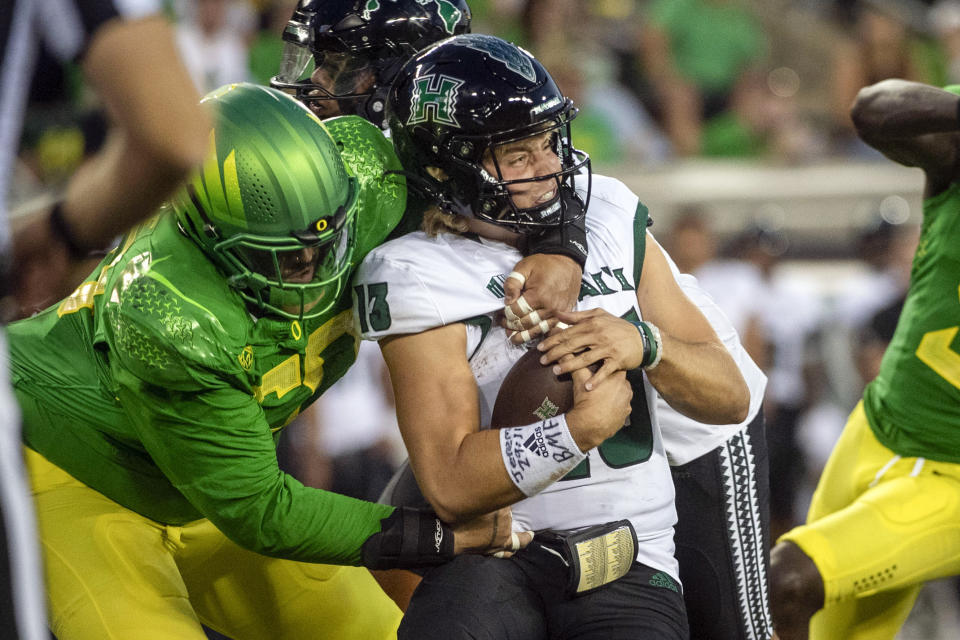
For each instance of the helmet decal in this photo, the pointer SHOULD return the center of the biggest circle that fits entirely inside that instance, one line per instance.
(370, 8)
(435, 99)
(501, 51)
(458, 104)
(552, 103)
(448, 12)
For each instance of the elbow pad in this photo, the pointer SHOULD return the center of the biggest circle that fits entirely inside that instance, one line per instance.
(408, 538)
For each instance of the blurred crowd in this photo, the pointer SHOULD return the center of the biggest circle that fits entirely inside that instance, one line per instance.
(657, 81)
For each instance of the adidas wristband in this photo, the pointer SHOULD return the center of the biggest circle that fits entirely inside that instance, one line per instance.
(408, 538)
(537, 455)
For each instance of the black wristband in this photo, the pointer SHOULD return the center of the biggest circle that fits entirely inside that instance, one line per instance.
(408, 538)
(62, 232)
(652, 343)
(646, 340)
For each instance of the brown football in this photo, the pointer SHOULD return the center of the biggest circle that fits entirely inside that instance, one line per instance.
(531, 392)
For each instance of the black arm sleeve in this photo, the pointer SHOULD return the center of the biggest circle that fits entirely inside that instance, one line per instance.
(569, 240)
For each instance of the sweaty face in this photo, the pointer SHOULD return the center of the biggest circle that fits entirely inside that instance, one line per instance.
(528, 160)
(339, 78)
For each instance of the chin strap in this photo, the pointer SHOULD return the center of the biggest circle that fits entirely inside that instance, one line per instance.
(408, 538)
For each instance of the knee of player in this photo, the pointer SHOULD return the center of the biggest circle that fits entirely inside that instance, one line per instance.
(794, 579)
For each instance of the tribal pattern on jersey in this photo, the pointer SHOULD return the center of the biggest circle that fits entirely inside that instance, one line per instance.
(746, 532)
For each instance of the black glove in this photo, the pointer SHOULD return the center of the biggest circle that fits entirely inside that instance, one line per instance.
(408, 538)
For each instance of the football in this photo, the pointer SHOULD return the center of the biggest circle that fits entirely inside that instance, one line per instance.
(532, 392)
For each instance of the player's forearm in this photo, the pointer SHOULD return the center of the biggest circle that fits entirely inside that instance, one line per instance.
(98, 206)
(902, 109)
(701, 381)
(301, 523)
(469, 483)
(159, 131)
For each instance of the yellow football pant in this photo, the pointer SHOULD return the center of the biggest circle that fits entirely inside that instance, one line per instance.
(113, 574)
(878, 527)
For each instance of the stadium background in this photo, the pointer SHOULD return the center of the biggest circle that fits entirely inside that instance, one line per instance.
(802, 233)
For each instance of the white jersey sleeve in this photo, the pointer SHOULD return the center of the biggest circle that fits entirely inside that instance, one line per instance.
(686, 439)
(416, 282)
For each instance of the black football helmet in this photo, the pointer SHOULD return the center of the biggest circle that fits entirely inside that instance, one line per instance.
(357, 47)
(454, 103)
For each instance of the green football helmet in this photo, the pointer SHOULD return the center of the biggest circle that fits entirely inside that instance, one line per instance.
(273, 205)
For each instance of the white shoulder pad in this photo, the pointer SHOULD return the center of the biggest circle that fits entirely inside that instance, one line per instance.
(415, 283)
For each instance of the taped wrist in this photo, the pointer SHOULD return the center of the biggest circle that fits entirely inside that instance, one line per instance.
(569, 240)
(537, 455)
(408, 538)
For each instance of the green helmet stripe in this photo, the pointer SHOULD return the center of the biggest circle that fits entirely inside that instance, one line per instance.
(209, 172)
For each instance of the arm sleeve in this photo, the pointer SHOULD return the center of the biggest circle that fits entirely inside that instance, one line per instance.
(216, 447)
(176, 380)
(569, 240)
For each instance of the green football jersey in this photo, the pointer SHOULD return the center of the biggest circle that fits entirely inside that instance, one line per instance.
(913, 405)
(154, 384)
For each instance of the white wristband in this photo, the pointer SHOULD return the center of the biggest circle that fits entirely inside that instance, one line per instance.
(537, 455)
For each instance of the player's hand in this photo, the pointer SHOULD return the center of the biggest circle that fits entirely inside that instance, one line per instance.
(594, 336)
(44, 271)
(539, 286)
(490, 533)
(599, 414)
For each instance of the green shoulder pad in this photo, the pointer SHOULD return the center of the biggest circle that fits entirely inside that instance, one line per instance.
(171, 318)
(369, 156)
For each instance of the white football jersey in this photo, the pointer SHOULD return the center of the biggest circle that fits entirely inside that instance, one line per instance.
(415, 283)
(684, 438)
